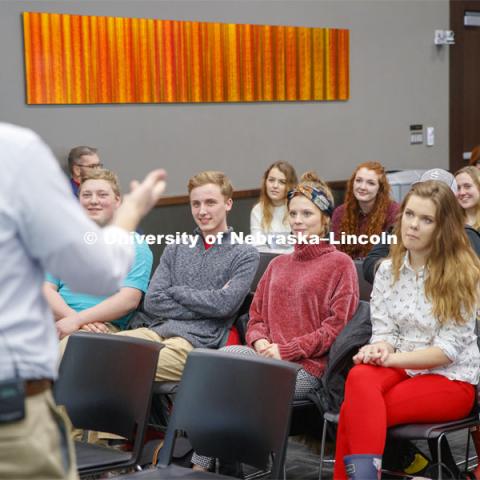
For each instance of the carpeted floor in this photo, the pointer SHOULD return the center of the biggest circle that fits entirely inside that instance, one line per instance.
(302, 463)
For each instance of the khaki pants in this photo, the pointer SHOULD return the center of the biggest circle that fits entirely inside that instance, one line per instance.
(39, 446)
(173, 355)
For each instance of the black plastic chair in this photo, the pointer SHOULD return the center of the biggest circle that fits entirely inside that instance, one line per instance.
(265, 259)
(164, 392)
(435, 432)
(105, 383)
(232, 407)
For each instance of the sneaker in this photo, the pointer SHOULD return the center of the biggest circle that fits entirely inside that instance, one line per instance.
(419, 463)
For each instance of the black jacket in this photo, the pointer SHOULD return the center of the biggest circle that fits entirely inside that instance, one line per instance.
(328, 396)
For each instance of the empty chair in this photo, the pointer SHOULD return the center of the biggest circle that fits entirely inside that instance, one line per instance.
(232, 407)
(105, 383)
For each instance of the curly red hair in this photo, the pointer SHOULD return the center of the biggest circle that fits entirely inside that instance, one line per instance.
(378, 214)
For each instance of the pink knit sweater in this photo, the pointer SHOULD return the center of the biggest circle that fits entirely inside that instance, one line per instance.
(303, 301)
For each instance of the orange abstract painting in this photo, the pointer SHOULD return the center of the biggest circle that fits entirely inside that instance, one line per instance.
(73, 59)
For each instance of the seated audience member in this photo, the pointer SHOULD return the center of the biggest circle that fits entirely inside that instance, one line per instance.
(269, 215)
(380, 251)
(99, 195)
(198, 287)
(468, 194)
(475, 157)
(305, 298)
(368, 208)
(80, 161)
(422, 362)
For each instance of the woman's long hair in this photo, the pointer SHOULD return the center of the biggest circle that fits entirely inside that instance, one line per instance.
(474, 174)
(378, 215)
(266, 204)
(452, 267)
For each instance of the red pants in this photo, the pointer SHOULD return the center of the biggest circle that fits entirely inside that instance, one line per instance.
(378, 397)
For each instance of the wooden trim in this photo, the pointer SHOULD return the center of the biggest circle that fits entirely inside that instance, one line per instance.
(461, 127)
(338, 184)
(456, 85)
(252, 193)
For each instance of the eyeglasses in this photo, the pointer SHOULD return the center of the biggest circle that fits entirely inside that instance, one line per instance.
(94, 165)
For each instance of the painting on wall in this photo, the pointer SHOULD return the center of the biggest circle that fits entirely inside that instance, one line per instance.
(74, 59)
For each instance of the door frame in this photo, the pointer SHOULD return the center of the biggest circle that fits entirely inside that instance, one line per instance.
(456, 80)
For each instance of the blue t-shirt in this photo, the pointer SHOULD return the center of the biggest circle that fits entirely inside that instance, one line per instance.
(138, 277)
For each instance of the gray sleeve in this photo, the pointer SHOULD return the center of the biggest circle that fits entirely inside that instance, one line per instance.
(158, 301)
(55, 230)
(223, 302)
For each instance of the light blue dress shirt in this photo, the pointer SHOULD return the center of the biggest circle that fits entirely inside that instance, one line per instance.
(43, 228)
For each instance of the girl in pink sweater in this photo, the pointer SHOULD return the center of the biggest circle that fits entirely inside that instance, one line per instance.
(305, 298)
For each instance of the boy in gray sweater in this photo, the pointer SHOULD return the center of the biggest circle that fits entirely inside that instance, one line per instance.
(198, 287)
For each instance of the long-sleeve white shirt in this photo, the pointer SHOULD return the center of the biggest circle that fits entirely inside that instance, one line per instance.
(402, 316)
(279, 227)
(43, 228)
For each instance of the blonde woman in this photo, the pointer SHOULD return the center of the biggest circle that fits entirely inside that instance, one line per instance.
(422, 361)
(270, 215)
(468, 194)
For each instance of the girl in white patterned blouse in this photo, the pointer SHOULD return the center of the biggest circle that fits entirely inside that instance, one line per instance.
(422, 361)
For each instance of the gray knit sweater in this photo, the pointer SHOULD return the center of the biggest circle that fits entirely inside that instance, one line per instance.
(196, 293)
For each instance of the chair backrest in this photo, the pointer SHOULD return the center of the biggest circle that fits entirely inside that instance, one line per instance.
(234, 407)
(265, 259)
(401, 181)
(364, 287)
(105, 382)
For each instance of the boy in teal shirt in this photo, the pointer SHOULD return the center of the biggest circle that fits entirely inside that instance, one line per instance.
(99, 194)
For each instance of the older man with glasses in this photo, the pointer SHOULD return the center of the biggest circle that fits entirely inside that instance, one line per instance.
(81, 160)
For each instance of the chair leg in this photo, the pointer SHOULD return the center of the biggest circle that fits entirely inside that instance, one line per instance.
(467, 454)
(439, 456)
(322, 448)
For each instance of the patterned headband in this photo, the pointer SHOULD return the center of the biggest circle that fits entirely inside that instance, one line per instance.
(317, 196)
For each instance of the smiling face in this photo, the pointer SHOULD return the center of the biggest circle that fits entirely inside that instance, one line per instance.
(209, 208)
(99, 200)
(305, 217)
(276, 186)
(418, 224)
(468, 195)
(366, 186)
